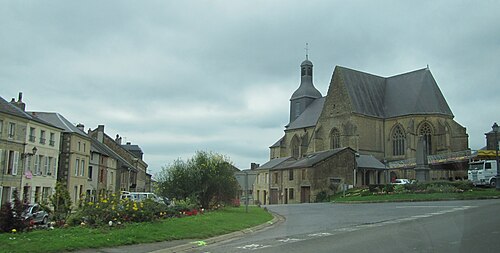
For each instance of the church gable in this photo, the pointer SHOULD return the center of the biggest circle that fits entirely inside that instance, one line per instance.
(414, 93)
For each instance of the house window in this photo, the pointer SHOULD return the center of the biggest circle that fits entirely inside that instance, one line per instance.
(290, 193)
(37, 165)
(28, 163)
(275, 177)
(79, 148)
(303, 174)
(12, 130)
(84, 147)
(52, 140)
(290, 174)
(77, 166)
(335, 138)
(46, 166)
(82, 168)
(398, 141)
(32, 134)
(426, 132)
(102, 175)
(1, 127)
(90, 173)
(42, 137)
(54, 166)
(13, 163)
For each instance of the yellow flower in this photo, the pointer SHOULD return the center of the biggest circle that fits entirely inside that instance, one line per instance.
(14, 230)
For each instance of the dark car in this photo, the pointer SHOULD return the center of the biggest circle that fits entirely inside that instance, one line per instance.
(35, 213)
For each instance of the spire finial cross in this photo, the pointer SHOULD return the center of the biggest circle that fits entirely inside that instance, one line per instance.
(307, 51)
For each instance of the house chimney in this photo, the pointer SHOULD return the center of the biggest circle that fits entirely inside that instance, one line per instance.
(19, 103)
(118, 139)
(100, 133)
(81, 127)
(254, 166)
(128, 143)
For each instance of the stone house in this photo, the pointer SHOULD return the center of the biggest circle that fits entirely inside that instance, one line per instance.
(288, 180)
(74, 157)
(131, 169)
(29, 152)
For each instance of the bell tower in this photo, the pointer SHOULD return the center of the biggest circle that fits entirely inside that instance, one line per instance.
(306, 93)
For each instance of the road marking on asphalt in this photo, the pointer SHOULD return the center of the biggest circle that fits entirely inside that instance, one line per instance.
(254, 246)
(319, 234)
(290, 240)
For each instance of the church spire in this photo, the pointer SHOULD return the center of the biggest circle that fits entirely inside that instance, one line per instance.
(306, 93)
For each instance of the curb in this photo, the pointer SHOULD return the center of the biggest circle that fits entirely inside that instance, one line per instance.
(277, 219)
(412, 200)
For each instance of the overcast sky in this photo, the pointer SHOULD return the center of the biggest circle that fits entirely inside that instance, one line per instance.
(179, 76)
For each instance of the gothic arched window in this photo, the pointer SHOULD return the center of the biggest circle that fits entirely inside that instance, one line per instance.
(295, 147)
(335, 137)
(426, 132)
(398, 141)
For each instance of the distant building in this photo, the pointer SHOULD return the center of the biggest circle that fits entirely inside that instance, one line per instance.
(131, 169)
(376, 117)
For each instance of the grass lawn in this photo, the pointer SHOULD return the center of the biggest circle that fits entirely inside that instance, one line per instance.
(477, 193)
(200, 226)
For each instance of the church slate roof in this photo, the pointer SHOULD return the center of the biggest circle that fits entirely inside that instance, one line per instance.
(310, 115)
(414, 92)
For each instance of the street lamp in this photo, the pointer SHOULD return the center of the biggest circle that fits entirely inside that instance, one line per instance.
(33, 152)
(495, 130)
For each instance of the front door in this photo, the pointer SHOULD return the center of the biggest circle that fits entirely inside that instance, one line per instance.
(305, 194)
(273, 198)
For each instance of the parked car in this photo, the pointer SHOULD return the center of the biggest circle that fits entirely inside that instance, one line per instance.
(35, 213)
(401, 181)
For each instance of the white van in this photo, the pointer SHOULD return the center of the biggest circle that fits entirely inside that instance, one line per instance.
(140, 196)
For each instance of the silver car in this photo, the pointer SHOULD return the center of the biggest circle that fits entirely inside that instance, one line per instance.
(36, 213)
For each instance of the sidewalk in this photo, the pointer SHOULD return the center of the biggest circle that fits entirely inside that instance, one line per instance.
(183, 245)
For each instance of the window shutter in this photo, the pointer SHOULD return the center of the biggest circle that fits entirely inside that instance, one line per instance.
(16, 163)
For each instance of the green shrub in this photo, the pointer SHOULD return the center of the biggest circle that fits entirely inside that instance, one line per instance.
(322, 196)
(463, 185)
(400, 188)
(388, 188)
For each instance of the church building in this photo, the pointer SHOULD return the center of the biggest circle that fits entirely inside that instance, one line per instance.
(377, 119)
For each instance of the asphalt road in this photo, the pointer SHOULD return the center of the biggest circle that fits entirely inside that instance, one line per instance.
(449, 226)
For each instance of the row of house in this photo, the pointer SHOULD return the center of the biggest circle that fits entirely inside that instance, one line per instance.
(37, 149)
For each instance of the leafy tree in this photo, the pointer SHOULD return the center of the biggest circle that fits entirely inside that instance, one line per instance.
(207, 177)
(61, 201)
